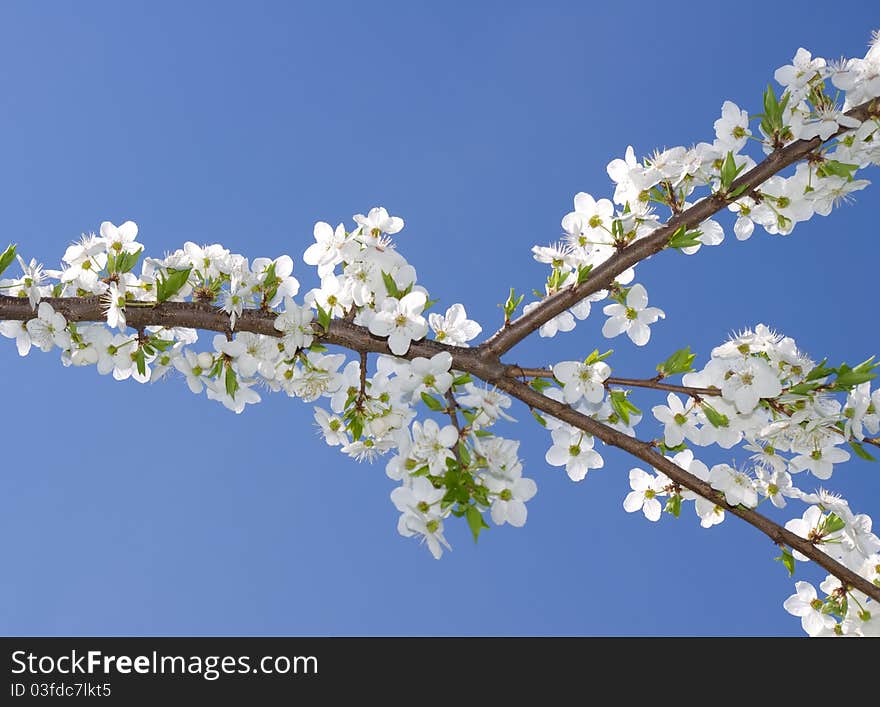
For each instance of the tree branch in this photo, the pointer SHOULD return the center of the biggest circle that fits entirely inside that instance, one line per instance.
(346, 334)
(603, 275)
(520, 372)
(645, 452)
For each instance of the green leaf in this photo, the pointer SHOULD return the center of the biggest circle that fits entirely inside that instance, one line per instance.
(161, 344)
(673, 505)
(512, 303)
(475, 521)
(270, 283)
(231, 382)
(123, 262)
(736, 192)
(837, 169)
(666, 449)
(679, 362)
(462, 379)
(583, 273)
(787, 559)
(7, 257)
(323, 318)
(621, 405)
(803, 388)
(390, 285)
(538, 417)
(171, 283)
(356, 427)
(850, 377)
(683, 238)
(771, 120)
(860, 451)
(596, 356)
(540, 384)
(729, 172)
(715, 418)
(820, 371)
(432, 403)
(464, 454)
(140, 361)
(832, 524)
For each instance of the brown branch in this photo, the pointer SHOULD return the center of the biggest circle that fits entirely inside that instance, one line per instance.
(346, 334)
(603, 275)
(520, 372)
(658, 385)
(362, 393)
(645, 452)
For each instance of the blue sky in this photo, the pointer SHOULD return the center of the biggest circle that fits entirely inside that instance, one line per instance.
(128, 509)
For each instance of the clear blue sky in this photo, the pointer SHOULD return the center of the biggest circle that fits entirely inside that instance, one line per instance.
(128, 509)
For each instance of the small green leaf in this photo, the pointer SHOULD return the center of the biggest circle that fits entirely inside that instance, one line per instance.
(679, 362)
(803, 388)
(540, 384)
(390, 285)
(716, 419)
(860, 451)
(538, 417)
(834, 168)
(123, 262)
(673, 505)
(356, 427)
(583, 273)
(729, 172)
(464, 454)
(595, 356)
(462, 379)
(832, 524)
(161, 344)
(140, 361)
(820, 371)
(683, 238)
(7, 257)
(323, 318)
(270, 283)
(171, 283)
(511, 305)
(621, 405)
(850, 377)
(666, 449)
(432, 402)
(475, 521)
(787, 559)
(231, 382)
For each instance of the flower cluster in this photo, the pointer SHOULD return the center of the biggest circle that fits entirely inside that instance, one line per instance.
(808, 107)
